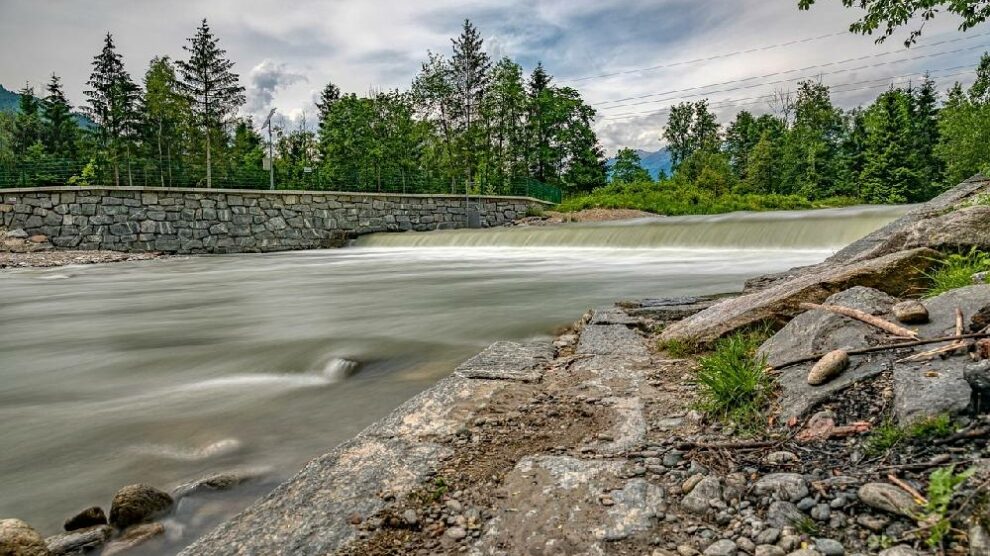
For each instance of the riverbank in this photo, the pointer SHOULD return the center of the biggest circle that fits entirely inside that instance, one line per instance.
(595, 443)
(18, 250)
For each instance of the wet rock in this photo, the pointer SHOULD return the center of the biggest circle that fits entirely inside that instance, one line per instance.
(979, 541)
(829, 547)
(79, 540)
(896, 273)
(138, 503)
(216, 482)
(516, 361)
(134, 537)
(781, 458)
(769, 550)
(785, 486)
(783, 514)
(87, 518)
(911, 312)
(888, 498)
(724, 547)
(700, 499)
(828, 367)
(20, 539)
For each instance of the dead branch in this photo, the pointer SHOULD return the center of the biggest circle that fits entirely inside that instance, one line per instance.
(908, 489)
(725, 445)
(875, 349)
(861, 316)
(968, 434)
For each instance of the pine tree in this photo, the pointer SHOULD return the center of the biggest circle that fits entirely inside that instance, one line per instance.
(27, 122)
(112, 104)
(60, 129)
(329, 95)
(811, 151)
(215, 91)
(926, 136)
(540, 99)
(628, 168)
(470, 70)
(891, 173)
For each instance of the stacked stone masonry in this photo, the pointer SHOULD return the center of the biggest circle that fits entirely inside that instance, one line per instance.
(234, 221)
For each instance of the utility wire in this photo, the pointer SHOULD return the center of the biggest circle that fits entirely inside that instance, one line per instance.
(812, 67)
(762, 98)
(787, 80)
(706, 59)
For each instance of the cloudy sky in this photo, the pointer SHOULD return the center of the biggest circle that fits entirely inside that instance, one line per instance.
(631, 59)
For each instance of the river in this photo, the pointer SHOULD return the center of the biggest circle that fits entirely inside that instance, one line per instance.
(162, 371)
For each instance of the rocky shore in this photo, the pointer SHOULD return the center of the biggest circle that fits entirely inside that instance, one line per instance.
(19, 250)
(873, 438)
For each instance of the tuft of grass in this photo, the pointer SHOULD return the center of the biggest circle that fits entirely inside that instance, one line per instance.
(534, 210)
(939, 426)
(806, 526)
(733, 384)
(677, 348)
(956, 271)
(883, 438)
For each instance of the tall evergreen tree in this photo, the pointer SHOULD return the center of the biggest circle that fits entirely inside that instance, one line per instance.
(60, 129)
(811, 153)
(214, 90)
(924, 129)
(113, 100)
(891, 173)
(470, 70)
(329, 95)
(27, 122)
(540, 100)
(964, 128)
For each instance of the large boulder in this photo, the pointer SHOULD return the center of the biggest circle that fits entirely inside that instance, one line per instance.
(897, 274)
(138, 503)
(20, 539)
(958, 230)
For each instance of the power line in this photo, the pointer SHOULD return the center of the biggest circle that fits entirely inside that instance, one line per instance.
(779, 81)
(762, 98)
(707, 59)
(812, 67)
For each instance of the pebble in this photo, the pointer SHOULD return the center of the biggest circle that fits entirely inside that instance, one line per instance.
(746, 545)
(821, 512)
(837, 502)
(829, 547)
(789, 542)
(911, 312)
(979, 540)
(805, 552)
(886, 497)
(901, 550)
(769, 550)
(782, 457)
(692, 482)
(454, 506)
(354, 519)
(410, 517)
(687, 550)
(872, 522)
(768, 536)
(724, 547)
(672, 458)
(806, 504)
(784, 486)
(828, 367)
(456, 533)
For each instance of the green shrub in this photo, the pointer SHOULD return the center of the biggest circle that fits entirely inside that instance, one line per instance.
(732, 381)
(942, 487)
(956, 271)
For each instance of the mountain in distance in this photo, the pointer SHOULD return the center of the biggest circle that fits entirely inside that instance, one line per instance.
(652, 161)
(9, 101)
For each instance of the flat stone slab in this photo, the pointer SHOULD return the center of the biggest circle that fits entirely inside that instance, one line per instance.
(553, 505)
(671, 308)
(610, 339)
(509, 361)
(927, 390)
(612, 315)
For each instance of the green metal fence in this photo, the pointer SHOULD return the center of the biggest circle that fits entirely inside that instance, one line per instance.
(52, 173)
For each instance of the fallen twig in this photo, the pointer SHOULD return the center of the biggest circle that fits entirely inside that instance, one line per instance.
(861, 316)
(967, 434)
(875, 349)
(725, 445)
(920, 498)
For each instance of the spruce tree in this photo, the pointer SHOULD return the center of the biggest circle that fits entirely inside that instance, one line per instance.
(112, 103)
(540, 100)
(470, 70)
(329, 95)
(60, 129)
(214, 90)
(27, 122)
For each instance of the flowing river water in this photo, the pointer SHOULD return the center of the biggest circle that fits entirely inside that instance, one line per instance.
(163, 371)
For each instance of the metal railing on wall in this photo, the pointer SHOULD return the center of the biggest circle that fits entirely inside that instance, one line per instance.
(57, 173)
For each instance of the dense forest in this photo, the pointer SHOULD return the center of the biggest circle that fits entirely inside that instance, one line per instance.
(908, 145)
(467, 123)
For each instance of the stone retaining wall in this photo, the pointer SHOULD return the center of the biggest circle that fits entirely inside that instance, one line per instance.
(231, 221)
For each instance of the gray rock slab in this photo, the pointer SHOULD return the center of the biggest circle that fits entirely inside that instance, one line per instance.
(670, 309)
(310, 513)
(612, 315)
(930, 389)
(610, 339)
(509, 361)
(555, 502)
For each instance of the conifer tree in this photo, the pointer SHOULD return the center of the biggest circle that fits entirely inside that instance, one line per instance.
(470, 69)
(214, 90)
(329, 95)
(27, 122)
(60, 129)
(540, 100)
(112, 103)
